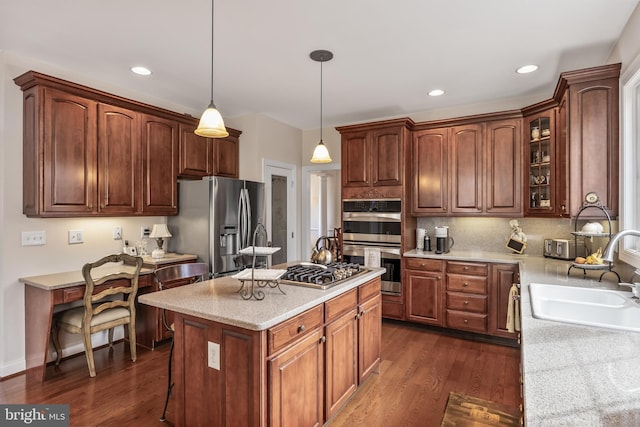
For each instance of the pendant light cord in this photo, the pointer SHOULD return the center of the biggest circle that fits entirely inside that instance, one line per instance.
(321, 101)
(212, 20)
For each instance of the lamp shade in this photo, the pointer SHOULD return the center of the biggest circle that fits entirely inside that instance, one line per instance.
(159, 231)
(211, 124)
(321, 154)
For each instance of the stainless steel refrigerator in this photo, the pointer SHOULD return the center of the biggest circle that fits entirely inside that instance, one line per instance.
(216, 218)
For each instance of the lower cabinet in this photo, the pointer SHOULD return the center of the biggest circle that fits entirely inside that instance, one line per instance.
(296, 384)
(423, 280)
(369, 329)
(461, 295)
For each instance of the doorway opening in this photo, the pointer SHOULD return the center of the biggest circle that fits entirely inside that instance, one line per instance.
(321, 209)
(280, 201)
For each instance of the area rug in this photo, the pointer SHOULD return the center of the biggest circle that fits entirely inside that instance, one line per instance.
(468, 411)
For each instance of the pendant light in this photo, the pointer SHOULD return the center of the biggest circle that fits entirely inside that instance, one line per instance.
(320, 153)
(211, 124)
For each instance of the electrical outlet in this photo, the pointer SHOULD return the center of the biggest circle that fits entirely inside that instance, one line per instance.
(213, 359)
(145, 231)
(34, 238)
(117, 233)
(75, 237)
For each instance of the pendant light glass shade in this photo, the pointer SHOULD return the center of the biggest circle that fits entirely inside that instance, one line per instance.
(321, 154)
(211, 124)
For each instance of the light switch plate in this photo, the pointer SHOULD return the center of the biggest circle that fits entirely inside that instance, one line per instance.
(75, 237)
(117, 233)
(214, 355)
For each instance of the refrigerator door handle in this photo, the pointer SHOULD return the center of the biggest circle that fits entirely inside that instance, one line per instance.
(240, 223)
(248, 207)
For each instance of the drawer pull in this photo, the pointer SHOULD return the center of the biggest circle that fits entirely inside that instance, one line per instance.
(465, 284)
(466, 321)
(466, 303)
(465, 268)
(301, 328)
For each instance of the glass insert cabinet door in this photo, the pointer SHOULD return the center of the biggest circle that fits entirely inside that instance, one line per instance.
(539, 131)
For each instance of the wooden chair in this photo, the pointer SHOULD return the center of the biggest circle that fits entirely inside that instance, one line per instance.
(178, 274)
(109, 301)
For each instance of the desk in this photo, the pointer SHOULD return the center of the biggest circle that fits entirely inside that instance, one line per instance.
(43, 293)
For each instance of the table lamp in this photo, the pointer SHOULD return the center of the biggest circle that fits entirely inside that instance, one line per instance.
(159, 232)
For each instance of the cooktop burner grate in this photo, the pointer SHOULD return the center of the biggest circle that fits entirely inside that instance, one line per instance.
(323, 275)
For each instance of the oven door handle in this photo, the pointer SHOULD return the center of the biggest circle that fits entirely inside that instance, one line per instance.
(371, 217)
(358, 250)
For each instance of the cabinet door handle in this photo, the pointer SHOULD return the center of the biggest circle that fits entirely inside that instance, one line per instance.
(301, 328)
(323, 339)
(466, 303)
(466, 321)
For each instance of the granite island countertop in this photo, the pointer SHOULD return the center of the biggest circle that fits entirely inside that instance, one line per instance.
(218, 300)
(573, 375)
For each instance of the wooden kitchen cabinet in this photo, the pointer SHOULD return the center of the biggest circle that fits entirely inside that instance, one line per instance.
(118, 159)
(200, 157)
(369, 328)
(59, 153)
(296, 386)
(503, 276)
(341, 350)
(91, 153)
(430, 154)
(423, 279)
(373, 159)
(472, 167)
(466, 302)
(226, 155)
(592, 134)
(543, 166)
(159, 145)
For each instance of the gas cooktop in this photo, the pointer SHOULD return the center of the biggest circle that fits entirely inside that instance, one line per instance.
(320, 276)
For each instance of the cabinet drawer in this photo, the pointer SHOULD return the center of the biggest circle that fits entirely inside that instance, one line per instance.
(472, 284)
(424, 264)
(470, 268)
(467, 321)
(340, 304)
(369, 290)
(467, 302)
(290, 330)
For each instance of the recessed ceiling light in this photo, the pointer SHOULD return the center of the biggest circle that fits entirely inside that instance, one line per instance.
(143, 71)
(527, 69)
(436, 92)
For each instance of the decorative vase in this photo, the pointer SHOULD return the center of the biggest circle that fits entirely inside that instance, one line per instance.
(535, 133)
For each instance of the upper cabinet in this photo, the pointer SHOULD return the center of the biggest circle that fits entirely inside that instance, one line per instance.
(373, 159)
(591, 117)
(471, 168)
(90, 153)
(200, 157)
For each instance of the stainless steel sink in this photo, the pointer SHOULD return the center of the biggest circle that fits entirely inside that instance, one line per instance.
(603, 308)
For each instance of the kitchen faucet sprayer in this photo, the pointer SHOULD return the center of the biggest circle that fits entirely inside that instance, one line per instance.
(608, 251)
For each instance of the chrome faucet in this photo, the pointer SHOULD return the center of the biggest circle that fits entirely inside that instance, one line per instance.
(608, 251)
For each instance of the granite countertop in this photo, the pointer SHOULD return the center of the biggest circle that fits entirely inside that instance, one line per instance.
(67, 279)
(218, 300)
(573, 375)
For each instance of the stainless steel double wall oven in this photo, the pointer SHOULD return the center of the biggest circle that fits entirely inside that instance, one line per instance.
(376, 224)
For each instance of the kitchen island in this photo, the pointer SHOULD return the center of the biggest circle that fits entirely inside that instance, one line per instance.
(292, 358)
(573, 375)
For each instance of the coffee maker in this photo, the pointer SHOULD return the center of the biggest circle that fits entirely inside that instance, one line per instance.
(444, 242)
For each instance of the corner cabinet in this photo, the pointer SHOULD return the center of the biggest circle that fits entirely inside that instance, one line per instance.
(373, 159)
(592, 134)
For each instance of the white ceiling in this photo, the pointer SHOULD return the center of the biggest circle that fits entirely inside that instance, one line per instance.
(387, 53)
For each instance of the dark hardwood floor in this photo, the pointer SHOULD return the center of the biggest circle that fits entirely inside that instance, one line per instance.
(419, 368)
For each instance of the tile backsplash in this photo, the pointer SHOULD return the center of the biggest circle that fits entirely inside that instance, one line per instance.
(491, 234)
